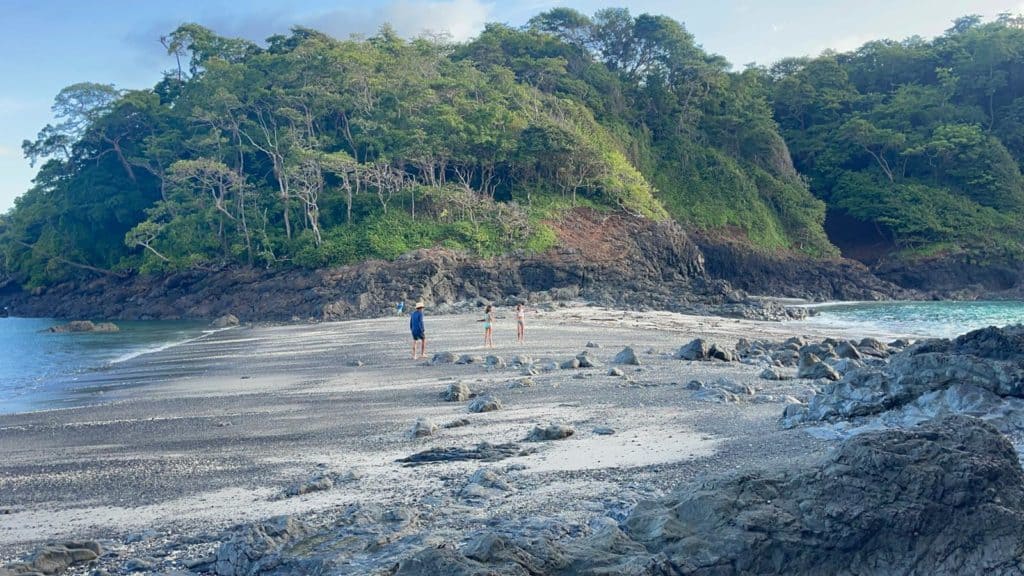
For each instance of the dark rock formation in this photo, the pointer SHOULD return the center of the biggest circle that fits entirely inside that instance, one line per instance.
(84, 326)
(980, 374)
(946, 498)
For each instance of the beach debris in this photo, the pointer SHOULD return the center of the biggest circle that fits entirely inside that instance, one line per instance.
(443, 358)
(549, 432)
(225, 321)
(626, 356)
(421, 428)
(456, 392)
(486, 403)
(484, 451)
(812, 368)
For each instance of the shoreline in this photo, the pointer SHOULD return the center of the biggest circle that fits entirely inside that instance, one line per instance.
(208, 433)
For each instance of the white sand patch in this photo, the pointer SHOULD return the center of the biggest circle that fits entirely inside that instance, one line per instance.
(643, 447)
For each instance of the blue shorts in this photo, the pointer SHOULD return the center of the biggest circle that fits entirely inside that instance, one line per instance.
(419, 336)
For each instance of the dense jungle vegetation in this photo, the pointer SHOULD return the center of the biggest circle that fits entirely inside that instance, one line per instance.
(312, 151)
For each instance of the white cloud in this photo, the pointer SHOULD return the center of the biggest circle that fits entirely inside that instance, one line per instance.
(462, 19)
(845, 43)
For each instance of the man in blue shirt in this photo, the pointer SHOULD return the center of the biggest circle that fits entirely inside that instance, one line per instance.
(418, 333)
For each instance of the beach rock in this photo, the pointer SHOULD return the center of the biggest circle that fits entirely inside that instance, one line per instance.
(812, 368)
(485, 403)
(469, 359)
(846, 365)
(593, 345)
(458, 423)
(715, 395)
(570, 364)
(355, 363)
(318, 483)
(521, 360)
(773, 374)
(443, 358)
(694, 385)
(495, 361)
(139, 565)
(225, 321)
(550, 432)
(697, 349)
(626, 356)
(603, 430)
(716, 352)
(422, 428)
(84, 326)
(797, 521)
(456, 392)
(980, 374)
(490, 479)
(848, 350)
(484, 451)
(254, 548)
(56, 558)
(873, 347)
(614, 371)
(587, 361)
(524, 382)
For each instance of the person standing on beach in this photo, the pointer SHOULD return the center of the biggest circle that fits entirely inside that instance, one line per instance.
(488, 321)
(520, 324)
(418, 332)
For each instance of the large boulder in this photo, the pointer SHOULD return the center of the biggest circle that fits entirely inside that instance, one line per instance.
(812, 368)
(626, 356)
(697, 349)
(225, 321)
(946, 498)
(84, 326)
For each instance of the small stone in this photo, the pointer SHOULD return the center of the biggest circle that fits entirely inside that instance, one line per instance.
(604, 431)
(355, 363)
(626, 356)
(225, 321)
(593, 345)
(694, 385)
(486, 403)
(422, 428)
(443, 358)
(456, 392)
(495, 361)
(613, 371)
(138, 565)
(551, 432)
(458, 423)
(587, 361)
(570, 364)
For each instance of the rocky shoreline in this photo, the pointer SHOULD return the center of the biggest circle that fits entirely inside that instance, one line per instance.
(608, 259)
(616, 442)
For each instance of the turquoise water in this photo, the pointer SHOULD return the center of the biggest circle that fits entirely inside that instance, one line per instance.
(923, 319)
(38, 369)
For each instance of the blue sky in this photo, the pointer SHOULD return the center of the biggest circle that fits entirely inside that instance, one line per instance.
(50, 44)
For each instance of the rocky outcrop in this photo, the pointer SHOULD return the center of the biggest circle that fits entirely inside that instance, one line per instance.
(609, 259)
(55, 558)
(943, 499)
(792, 275)
(980, 374)
(84, 326)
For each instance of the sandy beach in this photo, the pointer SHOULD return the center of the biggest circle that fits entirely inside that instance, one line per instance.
(179, 445)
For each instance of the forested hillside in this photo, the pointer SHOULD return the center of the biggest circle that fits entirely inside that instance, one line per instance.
(312, 151)
(916, 146)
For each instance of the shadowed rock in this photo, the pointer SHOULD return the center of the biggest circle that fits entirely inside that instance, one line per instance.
(486, 403)
(484, 451)
(627, 356)
(550, 432)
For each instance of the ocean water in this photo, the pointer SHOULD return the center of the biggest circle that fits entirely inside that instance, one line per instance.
(39, 369)
(919, 319)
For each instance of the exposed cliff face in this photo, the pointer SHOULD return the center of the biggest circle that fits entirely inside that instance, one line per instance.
(792, 275)
(958, 275)
(612, 257)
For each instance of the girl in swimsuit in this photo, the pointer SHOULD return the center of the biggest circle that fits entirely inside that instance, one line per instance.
(488, 319)
(520, 324)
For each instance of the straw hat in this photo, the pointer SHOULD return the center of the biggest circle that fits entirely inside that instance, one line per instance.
(419, 304)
